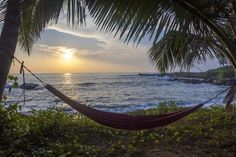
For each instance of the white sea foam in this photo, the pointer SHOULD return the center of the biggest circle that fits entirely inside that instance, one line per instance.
(114, 92)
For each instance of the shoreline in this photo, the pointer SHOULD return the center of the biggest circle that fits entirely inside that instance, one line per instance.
(219, 76)
(225, 81)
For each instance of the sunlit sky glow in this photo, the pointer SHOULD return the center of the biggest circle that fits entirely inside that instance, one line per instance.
(86, 50)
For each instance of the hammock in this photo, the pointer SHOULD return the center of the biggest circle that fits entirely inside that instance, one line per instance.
(119, 120)
(124, 121)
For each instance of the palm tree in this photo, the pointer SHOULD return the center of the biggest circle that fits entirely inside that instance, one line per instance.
(182, 31)
(19, 27)
(8, 39)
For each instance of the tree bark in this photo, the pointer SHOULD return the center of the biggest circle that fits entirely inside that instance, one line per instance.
(8, 41)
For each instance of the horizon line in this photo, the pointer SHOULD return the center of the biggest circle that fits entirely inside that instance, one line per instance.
(84, 72)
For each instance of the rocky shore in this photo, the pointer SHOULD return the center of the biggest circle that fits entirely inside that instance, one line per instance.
(219, 76)
(225, 81)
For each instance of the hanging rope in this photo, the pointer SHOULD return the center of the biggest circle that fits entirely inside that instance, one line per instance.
(22, 71)
(210, 99)
(23, 66)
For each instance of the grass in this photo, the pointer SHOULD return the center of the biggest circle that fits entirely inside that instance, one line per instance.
(207, 132)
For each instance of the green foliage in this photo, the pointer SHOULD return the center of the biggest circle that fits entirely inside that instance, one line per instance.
(182, 31)
(14, 80)
(12, 126)
(56, 133)
(222, 72)
(36, 15)
(178, 49)
(226, 72)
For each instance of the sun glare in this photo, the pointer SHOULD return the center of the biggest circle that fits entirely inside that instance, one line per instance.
(68, 55)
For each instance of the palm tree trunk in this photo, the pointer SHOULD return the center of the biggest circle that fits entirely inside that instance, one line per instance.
(8, 41)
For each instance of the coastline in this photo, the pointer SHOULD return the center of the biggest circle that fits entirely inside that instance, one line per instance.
(133, 91)
(219, 76)
(222, 81)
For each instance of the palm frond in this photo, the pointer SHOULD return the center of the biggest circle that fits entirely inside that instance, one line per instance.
(134, 20)
(3, 6)
(38, 14)
(153, 18)
(179, 49)
(159, 20)
(26, 35)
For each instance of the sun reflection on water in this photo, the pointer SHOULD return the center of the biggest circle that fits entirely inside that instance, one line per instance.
(67, 78)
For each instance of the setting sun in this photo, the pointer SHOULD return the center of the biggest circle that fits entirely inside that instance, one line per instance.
(68, 55)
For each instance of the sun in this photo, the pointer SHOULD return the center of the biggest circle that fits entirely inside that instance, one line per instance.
(68, 55)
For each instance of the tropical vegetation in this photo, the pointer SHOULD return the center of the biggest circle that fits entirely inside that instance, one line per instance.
(183, 32)
(225, 72)
(24, 20)
(207, 132)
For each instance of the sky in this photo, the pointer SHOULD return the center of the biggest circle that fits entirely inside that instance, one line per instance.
(63, 49)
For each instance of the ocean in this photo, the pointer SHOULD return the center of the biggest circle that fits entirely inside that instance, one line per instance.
(114, 92)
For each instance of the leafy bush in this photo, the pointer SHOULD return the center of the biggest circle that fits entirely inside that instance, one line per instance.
(56, 133)
(218, 73)
(222, 72)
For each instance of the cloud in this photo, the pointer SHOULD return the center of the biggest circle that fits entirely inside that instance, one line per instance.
(88, 43)
(57, 51)
(56, 38)
(106, 49)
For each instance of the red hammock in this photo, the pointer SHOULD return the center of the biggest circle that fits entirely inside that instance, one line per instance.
(124, 121)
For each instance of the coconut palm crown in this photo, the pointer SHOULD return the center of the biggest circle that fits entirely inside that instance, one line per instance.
(24, 20)
(183, 32)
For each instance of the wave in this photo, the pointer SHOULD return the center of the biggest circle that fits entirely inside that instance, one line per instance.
(86, 84)
(125, 108)
(159, 76)
(150, 74)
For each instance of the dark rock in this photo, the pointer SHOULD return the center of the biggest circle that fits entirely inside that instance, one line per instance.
(29, 86)
(223, 81)
(219, 76)
(190, 80)
(151, 74)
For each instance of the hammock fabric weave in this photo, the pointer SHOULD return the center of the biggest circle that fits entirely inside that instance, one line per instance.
(124, 121)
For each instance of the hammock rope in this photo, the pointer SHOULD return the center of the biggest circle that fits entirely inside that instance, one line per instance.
(22, 71)
(120, 120)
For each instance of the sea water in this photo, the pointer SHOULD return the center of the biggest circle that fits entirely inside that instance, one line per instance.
(115, 92)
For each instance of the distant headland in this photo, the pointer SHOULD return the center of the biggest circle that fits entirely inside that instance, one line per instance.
(219, 76)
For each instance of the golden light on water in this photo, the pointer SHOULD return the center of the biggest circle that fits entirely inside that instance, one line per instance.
(67, 74)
